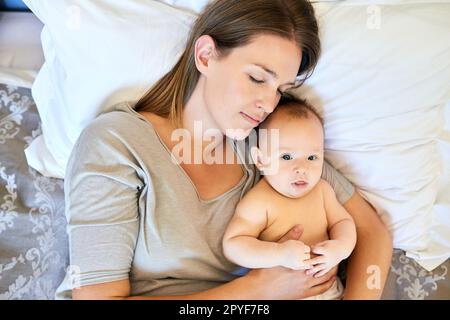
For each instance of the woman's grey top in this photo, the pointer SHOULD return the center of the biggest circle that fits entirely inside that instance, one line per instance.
(135, 214)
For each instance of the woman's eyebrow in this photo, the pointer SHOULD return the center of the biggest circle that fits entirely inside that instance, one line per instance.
(271, 72)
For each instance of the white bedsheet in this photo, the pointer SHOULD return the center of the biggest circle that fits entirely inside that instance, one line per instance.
(439, 247)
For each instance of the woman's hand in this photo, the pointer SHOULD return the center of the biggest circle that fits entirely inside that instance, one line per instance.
(290, 284)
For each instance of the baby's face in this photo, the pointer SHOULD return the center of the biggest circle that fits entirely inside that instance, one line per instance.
(299, 155)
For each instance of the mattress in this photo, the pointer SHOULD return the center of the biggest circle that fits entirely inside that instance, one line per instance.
(20, 45)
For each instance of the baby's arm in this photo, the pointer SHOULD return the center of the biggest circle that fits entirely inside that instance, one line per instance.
(242, 246)
(340, 223)
(341, 231)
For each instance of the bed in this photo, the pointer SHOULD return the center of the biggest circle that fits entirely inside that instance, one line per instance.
(33, 241)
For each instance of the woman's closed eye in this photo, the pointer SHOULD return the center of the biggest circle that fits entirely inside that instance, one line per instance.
(262, 82)
(256, 80)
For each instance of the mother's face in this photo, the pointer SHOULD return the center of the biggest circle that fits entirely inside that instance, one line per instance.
(243, 88)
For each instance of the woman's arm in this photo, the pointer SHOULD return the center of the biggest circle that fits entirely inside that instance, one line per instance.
(369, 264)
(257, 284)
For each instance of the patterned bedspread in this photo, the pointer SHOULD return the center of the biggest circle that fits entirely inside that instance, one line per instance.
(33, 240)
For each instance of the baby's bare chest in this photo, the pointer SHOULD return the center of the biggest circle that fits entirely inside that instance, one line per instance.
(285, 213)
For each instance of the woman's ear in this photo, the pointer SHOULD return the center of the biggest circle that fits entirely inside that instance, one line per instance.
(204, 50)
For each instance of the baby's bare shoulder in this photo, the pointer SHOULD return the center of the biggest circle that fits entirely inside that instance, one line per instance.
(325, 187)
(257, 197)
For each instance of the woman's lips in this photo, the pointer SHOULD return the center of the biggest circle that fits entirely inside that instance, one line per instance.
(251, 120)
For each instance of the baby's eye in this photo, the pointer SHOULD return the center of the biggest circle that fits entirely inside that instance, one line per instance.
(312, 158)
(286, 157)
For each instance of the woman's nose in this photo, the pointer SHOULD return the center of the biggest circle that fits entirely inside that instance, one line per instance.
(269, 103)
(267, 108)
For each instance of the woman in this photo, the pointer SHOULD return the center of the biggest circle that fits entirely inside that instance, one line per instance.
(144, 227)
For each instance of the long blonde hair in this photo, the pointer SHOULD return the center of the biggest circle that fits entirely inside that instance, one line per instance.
(232, 24)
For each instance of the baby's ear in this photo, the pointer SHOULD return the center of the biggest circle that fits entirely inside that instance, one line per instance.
(257, 157)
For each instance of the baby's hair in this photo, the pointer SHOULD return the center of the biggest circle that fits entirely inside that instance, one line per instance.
(294, 107)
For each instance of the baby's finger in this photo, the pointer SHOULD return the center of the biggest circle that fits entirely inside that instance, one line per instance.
(306, 256)
(315, 260)
(321, 244)
(316, 268)
(318, 250)
(306, 267)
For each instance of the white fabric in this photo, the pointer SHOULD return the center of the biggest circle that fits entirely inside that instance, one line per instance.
(198, 5)
(382, 82)
(98, 53)
(20, 42)
(439, 246)
(335, 292)
(195, 6)
(382, 89)
(380, 2)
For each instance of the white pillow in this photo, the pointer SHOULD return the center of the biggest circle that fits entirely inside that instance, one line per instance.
(382, 89)
(378, 2)
(195, 6)
(97, 53)
(383, 71)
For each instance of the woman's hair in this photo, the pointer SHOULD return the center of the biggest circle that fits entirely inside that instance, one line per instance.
(232, 24)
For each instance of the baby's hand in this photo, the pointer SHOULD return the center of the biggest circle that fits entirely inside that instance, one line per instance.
(330, 253)
(293, 254)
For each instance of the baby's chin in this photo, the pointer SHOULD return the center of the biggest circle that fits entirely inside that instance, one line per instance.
(295, 191)
(289, 192)
(295, 194)
(292, 190)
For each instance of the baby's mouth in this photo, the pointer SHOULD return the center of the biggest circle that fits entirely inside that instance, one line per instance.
(300, 183)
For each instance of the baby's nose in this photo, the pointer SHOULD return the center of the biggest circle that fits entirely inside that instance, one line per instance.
(300, 170)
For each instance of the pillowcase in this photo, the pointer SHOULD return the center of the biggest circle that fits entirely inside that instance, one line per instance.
(97, 53)
(382, 101)
(382, 90)
(195, 6)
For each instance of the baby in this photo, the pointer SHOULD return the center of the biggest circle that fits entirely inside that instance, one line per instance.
(293, 194)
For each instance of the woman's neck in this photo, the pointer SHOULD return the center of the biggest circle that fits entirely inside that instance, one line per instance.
(199, 123)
